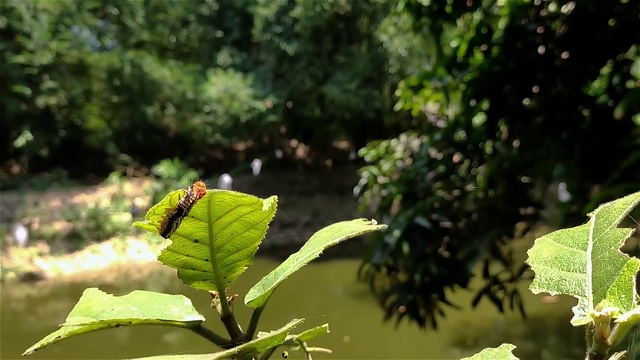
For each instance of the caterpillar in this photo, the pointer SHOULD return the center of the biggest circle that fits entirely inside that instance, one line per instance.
(173, 216)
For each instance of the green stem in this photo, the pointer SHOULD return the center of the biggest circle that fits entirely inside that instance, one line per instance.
(600, 344)
(210, 335)
(227, 316)
(253, 322)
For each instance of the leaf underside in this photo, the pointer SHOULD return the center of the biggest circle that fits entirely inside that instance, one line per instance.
(222, 231)
(585, 261)
(97, 310)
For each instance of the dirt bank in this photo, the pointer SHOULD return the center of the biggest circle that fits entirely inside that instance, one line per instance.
(307, 201)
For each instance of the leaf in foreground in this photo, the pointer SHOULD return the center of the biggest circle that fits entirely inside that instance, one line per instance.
(98, 310)
(245, 351)
(586, 262)
(312, 333)
(326, 237)
(503, 352)
(217, 240)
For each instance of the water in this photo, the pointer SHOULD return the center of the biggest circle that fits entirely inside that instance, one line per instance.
(322, 292)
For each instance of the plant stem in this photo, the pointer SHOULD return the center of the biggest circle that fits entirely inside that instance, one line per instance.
(600, 345)
(253, 322)
(210, 335)
(230, 323)
(227, 317)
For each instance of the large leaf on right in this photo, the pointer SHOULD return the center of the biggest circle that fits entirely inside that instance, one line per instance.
(586, 262)
(217, 240)
(326, 237)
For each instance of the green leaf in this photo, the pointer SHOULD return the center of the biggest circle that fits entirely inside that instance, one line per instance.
(625, 324)
(98, 310)
(217, 240)
(311, 333)
(585, 262)
(503, 352)
(326, 237)
(245, 351)
(299, 341)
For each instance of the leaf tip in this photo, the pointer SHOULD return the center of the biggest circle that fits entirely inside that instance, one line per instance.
(374, 223)
(28, 352)
(268, 203)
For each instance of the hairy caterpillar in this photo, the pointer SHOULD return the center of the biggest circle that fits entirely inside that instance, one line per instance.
(173, 216)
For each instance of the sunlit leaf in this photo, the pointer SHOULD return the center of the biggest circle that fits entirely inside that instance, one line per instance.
(326, 237)
(217, 240)
(98, 310)
(585, 262)
(502, 352)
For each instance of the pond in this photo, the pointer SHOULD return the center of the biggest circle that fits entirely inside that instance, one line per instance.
(322, 292)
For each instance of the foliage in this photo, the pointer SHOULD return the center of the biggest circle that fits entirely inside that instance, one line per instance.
(585, 262)
(75, 225)
(100, 80)
(152, 80)
(512, 101)
(233, 109)
(434, 209)
(589, 249)
(327, 67)
(97, 222)
(170, 173)
(210, 248)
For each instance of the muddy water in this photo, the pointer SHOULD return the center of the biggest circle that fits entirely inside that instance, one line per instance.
(323, 292)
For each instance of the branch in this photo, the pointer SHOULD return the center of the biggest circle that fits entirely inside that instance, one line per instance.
(210, 335)
(253, 322)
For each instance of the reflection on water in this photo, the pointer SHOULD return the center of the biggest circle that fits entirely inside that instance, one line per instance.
(323, 292)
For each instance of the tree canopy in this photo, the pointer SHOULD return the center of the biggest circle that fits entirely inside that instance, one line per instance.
(107, 81)
(516, 98)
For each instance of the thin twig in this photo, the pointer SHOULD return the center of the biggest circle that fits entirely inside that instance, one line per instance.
(210, 335)
(253, 322)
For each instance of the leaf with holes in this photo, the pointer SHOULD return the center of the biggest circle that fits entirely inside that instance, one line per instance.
(97, 310)
(585, 262)
(217, 240)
